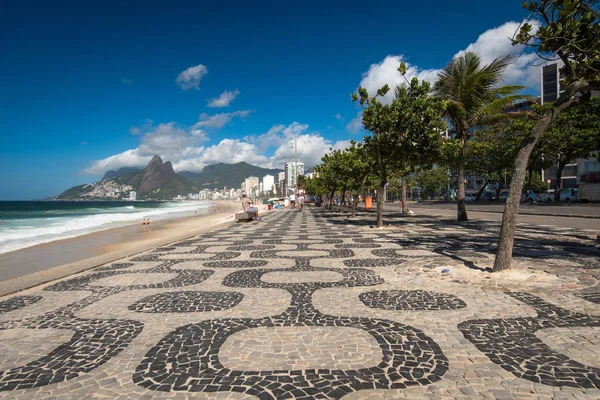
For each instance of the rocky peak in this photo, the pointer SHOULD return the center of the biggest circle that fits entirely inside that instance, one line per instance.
(156, 174)
(156, 162)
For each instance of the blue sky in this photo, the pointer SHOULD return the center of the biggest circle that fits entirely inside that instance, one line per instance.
(88, 87)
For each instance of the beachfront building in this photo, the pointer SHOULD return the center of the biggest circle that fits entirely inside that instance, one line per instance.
(281, 183)
(291, 171)
(268, 183)
(578, 171)
(132, 195)
(552, 82)
(251, 184)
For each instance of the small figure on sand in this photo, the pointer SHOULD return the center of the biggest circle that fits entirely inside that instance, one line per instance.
(146, 225)
(248, 206)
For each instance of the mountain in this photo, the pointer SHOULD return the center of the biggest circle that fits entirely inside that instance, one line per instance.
(122, 171)
(230, 175)
(157, 181)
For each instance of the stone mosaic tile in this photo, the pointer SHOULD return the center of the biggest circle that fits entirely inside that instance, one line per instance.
(312, 305)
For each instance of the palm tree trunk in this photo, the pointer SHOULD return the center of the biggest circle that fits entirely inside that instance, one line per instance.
(462, 208)
(506, 240)
(403, 198)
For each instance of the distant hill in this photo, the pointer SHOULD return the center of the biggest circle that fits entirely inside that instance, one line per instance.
(122, 171)
(215, 176)
(157, 181)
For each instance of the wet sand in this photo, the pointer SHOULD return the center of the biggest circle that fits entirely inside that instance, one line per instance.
(48, 261)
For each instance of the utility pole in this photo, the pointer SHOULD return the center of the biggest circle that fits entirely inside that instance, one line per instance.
(296, 165)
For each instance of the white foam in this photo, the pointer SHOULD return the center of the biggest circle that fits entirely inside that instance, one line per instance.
(21, 233)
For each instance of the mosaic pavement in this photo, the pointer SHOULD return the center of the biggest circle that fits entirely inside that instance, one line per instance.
(313, 305)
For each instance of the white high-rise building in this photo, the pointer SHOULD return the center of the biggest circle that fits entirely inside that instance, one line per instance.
(132, 195)
(251, 185)
(268, 182)
(290, 175)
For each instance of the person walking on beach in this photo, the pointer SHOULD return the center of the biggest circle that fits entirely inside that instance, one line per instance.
(248, 206)
(293, 200)
(301, 199)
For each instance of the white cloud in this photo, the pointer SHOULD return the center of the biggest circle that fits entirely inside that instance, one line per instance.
(386, 72)
(170, 141)
(186, 150)
(224, 99)
(219, 120)
(339, 117)
(126, 81)
(190, 78)
(491, 44)
(495, 43)
(146, 127)
(355, 125)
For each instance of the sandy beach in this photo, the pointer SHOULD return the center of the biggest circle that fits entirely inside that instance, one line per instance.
(34, 265)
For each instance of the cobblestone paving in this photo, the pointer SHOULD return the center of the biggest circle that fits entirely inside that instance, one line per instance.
(315, 305)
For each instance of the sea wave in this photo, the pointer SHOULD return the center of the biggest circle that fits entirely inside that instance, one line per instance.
(20, 233)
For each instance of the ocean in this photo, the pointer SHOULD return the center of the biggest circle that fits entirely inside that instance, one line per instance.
(27, 223)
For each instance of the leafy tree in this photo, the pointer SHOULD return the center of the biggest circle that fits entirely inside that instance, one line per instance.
(494, 148)
(570, 32)
(404, 133)
(574, 134)
(418, 129)
(472, 93)
(433, 181)
(359, 168)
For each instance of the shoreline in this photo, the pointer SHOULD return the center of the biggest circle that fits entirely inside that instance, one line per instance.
(32, 266)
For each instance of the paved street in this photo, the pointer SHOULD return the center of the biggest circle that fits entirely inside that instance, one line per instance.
(574, 209)
(314, 305)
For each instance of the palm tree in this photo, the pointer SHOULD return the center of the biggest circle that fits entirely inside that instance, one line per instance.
(472, 93)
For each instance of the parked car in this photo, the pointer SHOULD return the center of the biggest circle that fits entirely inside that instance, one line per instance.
(547, 196)
(469, 197)
(486, 196)
(530, 197)
(503, 196)
(568, 195)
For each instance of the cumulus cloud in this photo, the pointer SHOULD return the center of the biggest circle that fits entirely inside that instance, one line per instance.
(171, 142)
(491, 44)
(355, 125)
(495, 43)
(136, 130)
(220, 120)
(186, 149)
(224, 99)
(386, 72)
(190, 78)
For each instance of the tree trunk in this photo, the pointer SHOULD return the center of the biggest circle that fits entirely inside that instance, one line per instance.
(380, 202)
(330, 199)
(530, 174)
(506, 240)
(343, 198)
(559, 187)
(480, 192)
(354, 204)
(403, 198)
(462, 208)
